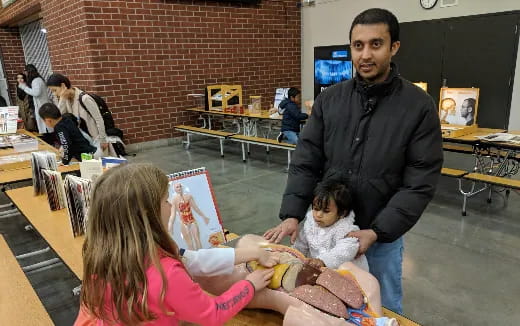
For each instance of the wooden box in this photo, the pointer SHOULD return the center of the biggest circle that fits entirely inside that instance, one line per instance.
(221, 97)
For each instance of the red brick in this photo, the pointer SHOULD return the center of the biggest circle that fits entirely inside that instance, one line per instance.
(145, 56)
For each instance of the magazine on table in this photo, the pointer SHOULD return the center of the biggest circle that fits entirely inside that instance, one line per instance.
(77, 192)
(195, 220)
(55, 189)
(501, 137)
(41, 161)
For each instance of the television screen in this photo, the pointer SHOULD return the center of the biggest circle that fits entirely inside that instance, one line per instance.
(327, 72)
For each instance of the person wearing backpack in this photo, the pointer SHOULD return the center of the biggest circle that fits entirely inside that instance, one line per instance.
(82, 105)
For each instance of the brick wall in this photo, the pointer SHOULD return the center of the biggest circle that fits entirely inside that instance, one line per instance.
(145, 56)
(12, 55)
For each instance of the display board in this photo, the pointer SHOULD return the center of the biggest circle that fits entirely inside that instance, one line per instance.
(332, 65)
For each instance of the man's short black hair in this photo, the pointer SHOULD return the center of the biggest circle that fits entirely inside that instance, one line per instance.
(378, 16)
(471, 103)
(332, 189)
(58, 79)
(293, 92)
(49, 111)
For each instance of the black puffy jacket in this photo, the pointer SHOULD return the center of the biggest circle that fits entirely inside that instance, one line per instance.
(384, 141)
(292, 116)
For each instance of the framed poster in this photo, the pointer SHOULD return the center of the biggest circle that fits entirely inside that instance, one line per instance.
(458, 106)
(195, 221)
(422, 85)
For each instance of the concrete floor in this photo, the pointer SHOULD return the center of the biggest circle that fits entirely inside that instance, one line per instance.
(457, 270)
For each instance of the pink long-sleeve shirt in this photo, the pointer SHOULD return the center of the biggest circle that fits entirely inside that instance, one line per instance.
(188, 301)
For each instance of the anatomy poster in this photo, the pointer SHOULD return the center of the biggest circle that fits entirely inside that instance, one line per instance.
(458, 106)
(8, 119)
(195, 221)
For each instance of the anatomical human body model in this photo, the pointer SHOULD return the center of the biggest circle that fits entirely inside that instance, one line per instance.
(283, 300)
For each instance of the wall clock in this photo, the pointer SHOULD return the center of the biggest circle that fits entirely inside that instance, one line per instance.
(428, 4)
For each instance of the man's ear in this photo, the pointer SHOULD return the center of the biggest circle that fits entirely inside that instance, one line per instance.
(394, 48)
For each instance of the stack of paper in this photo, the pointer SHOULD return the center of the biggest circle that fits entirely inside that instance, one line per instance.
(502, 137)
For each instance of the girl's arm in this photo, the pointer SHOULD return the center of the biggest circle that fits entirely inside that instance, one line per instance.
(190, 303)
(221, 261)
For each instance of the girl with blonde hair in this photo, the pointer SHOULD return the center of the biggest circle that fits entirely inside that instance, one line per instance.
(133, 272)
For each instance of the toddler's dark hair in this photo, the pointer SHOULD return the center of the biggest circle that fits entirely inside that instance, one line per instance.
(332, 189)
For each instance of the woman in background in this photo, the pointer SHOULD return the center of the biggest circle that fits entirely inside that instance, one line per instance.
(26, 105)
(36, 87)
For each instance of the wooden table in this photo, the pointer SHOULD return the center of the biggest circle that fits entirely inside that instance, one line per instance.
(472, 138)
(19, 304)
(265, 116)
(42, 146)
(25, 174)
(53, 226)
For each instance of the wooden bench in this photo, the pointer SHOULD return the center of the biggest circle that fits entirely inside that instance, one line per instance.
(488, 180)
(494, 180)
(19, 304)
(267, 142)
(221, 135)
(458, 148)
(454, 173)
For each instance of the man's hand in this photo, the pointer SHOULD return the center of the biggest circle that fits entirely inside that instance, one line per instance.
(287, 227)
(315, 262)
(366, 238)
(104, 146)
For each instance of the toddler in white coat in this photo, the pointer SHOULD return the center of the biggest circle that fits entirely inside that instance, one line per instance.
(323, 237)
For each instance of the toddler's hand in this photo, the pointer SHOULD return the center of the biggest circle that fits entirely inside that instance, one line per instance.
(267, 258)
(260, 278)
(315, 262)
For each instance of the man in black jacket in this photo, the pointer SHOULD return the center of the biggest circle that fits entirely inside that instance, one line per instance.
(381, 135)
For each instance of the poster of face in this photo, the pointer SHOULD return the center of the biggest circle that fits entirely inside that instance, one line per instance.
(195, 221)
(458, 106)
(8, 119)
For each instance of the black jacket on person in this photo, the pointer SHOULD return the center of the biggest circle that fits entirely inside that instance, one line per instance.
(384, 141)
(292, 115)
(72, 140)
(3, 102)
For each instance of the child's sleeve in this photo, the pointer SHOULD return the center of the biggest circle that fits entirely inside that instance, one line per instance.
(65, 142)
(345, 248)
(190, 303)
(301, 244)
(209, 262)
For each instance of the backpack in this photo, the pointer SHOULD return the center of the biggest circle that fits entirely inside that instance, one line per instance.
(103, 109)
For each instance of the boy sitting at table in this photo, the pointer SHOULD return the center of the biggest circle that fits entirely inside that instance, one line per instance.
(68, 133)
(290, 108)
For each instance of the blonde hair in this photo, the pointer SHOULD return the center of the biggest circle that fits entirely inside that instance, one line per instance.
(125, 236)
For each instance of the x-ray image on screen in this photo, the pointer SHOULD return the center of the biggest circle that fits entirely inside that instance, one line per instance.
(332, 65)
(332, 71)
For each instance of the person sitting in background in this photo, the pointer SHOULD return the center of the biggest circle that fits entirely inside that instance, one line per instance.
(292, 116)
(26, 105)
(69, 135)
(322, 238)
